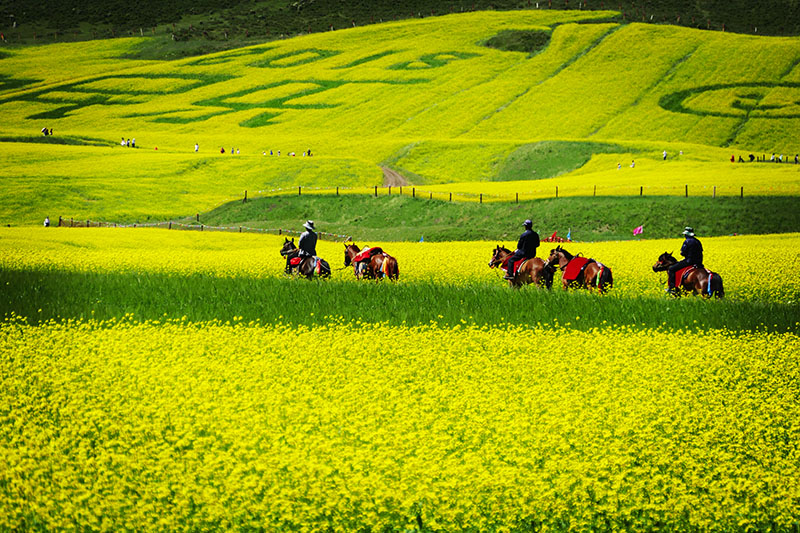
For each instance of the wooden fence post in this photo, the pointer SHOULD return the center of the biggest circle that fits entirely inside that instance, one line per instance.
(741, 192)
(170, 225)
(413, 192)
(337, 190)
(201, 227)
(298, 190)
(481, 198)
(451, 197)
(686, 193)
(376, 191)
(245, 198)
(59, 222)
(70, 222)
(556, 191)
(715, 191)
(390, 190)
(595, 191)
(641, 190)
(517, 198)
(198, 217)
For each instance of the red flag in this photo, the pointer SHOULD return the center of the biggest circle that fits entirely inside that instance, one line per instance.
(553, 236)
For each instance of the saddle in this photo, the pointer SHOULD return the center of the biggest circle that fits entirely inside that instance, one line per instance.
(367, 254)
(517, 265)
(575, 268)
(682, 274)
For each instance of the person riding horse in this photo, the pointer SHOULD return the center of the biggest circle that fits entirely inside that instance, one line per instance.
(307, 245)
(526, 248)
(692, 253)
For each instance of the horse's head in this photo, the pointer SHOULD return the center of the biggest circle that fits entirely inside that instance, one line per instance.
(498, 255)
(350, 251)
(288, 246)
(665, 260)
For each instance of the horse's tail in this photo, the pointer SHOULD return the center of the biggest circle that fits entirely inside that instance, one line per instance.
(324, 269)
(393, 269)
(715, 287)
(547, 275)
(606, 280)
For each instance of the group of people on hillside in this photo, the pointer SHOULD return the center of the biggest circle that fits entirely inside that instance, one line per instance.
(129, 143)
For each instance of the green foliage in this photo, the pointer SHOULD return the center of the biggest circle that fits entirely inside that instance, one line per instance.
(59, 294)
(548, 159)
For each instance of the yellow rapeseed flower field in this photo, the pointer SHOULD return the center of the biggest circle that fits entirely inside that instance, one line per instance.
(177, 426)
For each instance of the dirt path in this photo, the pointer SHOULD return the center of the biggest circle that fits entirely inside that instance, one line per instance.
(393, 178)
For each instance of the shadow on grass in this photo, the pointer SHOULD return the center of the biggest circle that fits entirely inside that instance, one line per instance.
(45, 295)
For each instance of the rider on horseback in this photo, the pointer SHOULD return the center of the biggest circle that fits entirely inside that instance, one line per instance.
(692, 253)
(526, 248)
(307, 245)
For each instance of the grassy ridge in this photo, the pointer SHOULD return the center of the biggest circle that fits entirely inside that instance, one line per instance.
(403, 218)
(44, 295)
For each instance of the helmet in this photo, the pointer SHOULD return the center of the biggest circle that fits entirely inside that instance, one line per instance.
(528, 223)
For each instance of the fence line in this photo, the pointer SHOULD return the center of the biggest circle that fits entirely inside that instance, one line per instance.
(556, 191)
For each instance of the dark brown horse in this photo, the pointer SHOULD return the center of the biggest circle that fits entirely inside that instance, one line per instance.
(530, 271)
(307, 266)
(697, 281)
(588, 273)
(379, 264)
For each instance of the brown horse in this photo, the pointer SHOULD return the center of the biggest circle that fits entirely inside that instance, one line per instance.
(697, 281)
(588, 276)
(307, 266)
(530, 271)
(379, 265)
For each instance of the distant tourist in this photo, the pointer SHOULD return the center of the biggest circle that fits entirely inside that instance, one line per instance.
(123, 142)
(633, 164)
(46, 222)
(222, 150)
(795, 159)
(133, 143)
(752, 157)
(196, 147)
(665, 155)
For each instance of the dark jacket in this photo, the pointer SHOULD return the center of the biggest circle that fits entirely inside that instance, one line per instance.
(692, 250)
(308, 243)
(528, 243)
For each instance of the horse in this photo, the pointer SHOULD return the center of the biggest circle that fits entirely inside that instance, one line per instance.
(584, 273)
(530, 270)
(698, 281)
(307, 266)
(379, 265)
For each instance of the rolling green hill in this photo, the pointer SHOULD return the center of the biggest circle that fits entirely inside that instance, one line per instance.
(427, 98)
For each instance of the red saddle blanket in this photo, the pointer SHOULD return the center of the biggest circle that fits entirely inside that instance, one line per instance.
(575, 267)
(294, 261)
(680, 274)
(366, 254)
(517, 265)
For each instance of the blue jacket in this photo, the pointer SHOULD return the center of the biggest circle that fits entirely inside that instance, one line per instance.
(528, 243)
(692, 250)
